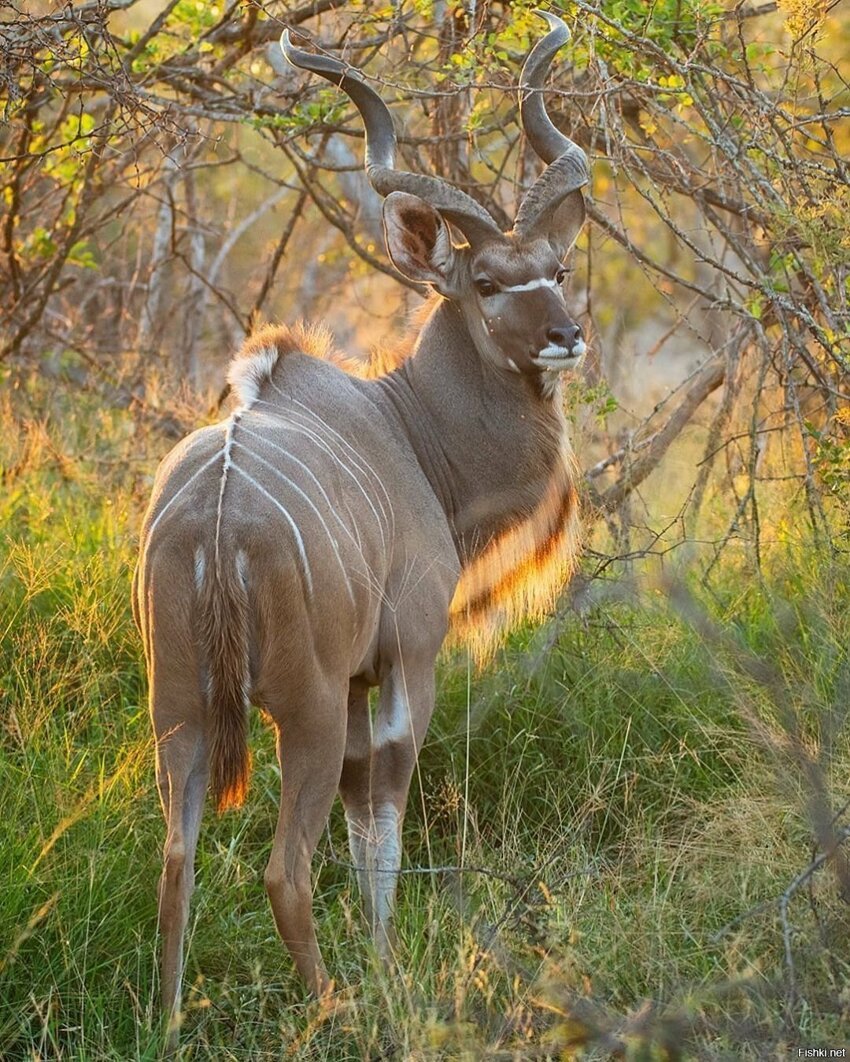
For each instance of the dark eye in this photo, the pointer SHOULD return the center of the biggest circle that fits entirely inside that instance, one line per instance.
(561, 276)
(485, 287)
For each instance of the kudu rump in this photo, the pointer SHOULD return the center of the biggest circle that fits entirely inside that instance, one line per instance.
(323, 538)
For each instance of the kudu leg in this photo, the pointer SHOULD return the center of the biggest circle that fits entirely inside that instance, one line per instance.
(310, 751)
(355, 788)
(379, 765)
(182, 775)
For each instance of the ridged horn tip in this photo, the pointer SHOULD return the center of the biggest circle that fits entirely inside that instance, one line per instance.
(567, 166)
(330, 68)
(468, 215)
(536, 66)
(288, 48)
(556, 24)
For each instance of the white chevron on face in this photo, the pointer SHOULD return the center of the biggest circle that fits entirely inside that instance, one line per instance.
(532, 285)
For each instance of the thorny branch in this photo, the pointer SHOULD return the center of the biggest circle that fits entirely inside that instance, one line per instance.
(718, 188)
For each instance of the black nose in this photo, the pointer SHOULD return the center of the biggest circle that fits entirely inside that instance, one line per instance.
(564, 337)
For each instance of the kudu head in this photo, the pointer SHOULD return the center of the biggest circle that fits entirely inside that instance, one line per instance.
(508, 285)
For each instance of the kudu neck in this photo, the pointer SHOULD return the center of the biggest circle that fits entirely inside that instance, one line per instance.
(488, 441)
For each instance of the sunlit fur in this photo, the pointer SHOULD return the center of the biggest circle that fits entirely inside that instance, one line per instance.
(258, 356)
(519, 575)
(255, 363)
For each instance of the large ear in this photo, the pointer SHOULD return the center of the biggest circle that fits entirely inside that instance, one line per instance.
(560, 224)
(418, 241)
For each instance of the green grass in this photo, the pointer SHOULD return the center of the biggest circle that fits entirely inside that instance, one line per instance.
(628, 810)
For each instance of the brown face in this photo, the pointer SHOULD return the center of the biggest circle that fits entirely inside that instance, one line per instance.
(510, 291)
(516, 311)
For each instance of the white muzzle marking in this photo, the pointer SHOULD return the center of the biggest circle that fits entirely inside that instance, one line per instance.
(556, 359)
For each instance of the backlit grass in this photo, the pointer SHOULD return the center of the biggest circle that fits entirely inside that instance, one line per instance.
(628, 814)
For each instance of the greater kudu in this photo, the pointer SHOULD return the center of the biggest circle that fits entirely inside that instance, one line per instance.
(323, 538)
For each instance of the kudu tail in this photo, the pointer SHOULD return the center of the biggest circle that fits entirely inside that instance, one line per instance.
(224, 644)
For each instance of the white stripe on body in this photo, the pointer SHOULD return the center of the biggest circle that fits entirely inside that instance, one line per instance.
(310, 424)
(294, 527)
(242, 568)
(357, 458)
(355, 455)
(354, 537)
(245, 374)
(371, 581)
(324, 446)
(327, 448)
(215, 457)
(228, 447)
(200, 568)
(294, 486)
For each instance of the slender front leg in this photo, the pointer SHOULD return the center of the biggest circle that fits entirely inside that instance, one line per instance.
(355, 787)
(375, 783)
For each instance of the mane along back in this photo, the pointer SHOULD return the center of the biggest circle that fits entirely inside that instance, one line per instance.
(262, 351)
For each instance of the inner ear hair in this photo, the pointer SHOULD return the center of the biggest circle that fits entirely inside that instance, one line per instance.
(418, 221)
(418, 239)
(419, 234)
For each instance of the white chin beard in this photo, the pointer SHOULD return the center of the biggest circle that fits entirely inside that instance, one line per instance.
(555, 358)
